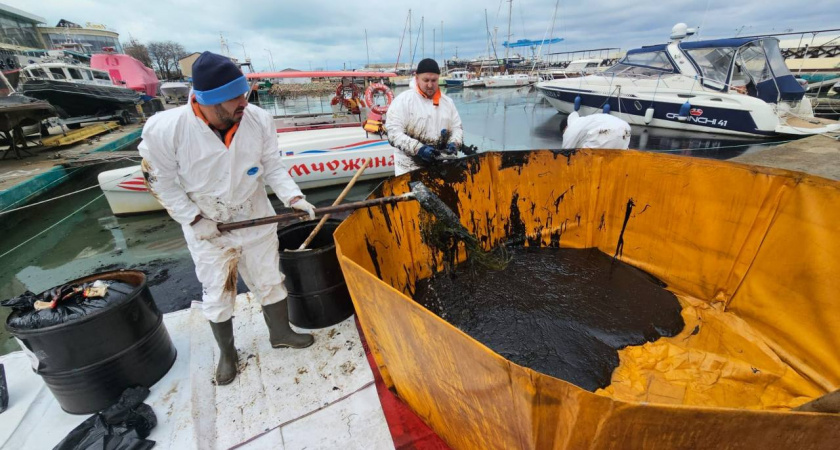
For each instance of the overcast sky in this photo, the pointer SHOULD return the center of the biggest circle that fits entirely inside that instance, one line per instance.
(331, 33)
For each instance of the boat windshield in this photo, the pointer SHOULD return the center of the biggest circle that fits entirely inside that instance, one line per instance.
(626, 70)
(751, 65)
(714, 63)
(774, 55)
(643, 64)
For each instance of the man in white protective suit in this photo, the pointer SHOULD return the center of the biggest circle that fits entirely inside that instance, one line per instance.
(208, 163)
(422, 123)
(595, 131)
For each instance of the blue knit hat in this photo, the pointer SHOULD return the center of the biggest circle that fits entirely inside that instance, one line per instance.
(216, 79)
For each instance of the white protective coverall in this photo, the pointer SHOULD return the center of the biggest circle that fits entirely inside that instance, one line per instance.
(191, 172)
(414, 121)
(596, 131)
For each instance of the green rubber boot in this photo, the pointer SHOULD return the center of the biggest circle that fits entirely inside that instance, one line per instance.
(279, 332)
(228, 359)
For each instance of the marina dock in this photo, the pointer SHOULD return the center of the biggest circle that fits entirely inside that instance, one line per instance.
(816, 155)
(23, 179)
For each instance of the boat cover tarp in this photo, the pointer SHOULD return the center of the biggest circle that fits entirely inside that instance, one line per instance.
(750, 252)
(136, 75)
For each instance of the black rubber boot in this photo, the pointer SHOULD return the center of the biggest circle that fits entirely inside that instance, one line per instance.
(228, 359)
(279, 332)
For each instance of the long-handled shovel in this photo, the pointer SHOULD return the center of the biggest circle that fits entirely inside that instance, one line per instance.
(335, 203)
(419, 192)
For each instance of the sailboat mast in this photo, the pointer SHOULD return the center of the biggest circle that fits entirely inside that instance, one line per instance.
(367, 49)
(423, 27)
(442, 52)
(510, 16)
(410, 47)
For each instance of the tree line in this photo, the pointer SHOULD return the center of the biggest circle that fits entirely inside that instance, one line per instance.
(162, 56)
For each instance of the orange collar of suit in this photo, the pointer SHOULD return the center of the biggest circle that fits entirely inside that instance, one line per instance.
(228, 138)
(435, 98)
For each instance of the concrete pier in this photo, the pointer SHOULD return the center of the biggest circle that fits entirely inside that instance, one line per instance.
(817, 155)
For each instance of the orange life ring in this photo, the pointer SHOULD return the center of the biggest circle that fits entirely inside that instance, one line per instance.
(382, 89)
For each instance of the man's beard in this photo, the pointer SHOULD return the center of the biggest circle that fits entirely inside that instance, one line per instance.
(228, 119)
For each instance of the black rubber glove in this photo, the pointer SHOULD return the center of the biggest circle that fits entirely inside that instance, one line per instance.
(427, 153)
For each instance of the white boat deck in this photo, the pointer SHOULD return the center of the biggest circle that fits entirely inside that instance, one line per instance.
(320, 397)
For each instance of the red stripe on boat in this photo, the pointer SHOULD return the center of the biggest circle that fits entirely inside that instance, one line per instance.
(319, 127)
(132, 188)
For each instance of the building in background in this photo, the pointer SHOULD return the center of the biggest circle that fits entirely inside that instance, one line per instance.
(185, 64)
(19, 29)
(89, 39)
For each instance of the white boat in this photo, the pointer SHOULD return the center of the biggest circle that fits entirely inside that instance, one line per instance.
(318, 150)
(514, 80)
(175, 91)
(475, 82)
(737, 86)
(576, 68)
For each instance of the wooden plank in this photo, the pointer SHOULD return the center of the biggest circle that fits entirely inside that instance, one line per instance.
(79, 135)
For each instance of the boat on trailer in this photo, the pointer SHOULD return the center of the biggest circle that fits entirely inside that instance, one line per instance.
(729, 86)
(319, 149)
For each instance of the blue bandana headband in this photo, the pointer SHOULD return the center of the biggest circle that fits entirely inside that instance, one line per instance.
(223, 93)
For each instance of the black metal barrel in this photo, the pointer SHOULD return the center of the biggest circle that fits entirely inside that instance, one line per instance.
(88, 362)
(318, 296)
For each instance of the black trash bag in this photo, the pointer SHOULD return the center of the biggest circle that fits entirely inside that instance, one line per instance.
(122, 426)
(71, 305)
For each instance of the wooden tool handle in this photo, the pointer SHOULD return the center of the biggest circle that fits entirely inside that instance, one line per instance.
(335, 203)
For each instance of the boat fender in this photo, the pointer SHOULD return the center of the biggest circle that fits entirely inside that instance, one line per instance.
(577, 103)
(381, 88)
(606, 108)
(684, 110)
(648, 116)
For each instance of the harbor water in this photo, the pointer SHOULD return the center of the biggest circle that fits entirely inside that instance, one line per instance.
(49, 244)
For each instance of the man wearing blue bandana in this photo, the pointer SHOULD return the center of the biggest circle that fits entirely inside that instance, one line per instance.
(208, 162)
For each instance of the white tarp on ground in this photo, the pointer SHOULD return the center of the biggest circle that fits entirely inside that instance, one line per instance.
(320, 397)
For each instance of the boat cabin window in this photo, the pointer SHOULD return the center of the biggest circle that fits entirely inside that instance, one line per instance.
(625, 70)
(86, 75)
(655, 60)
(648, 64)
(74, 73)
(101, 75)
(36, 73)
(57, 73)
(591, 65)
(774, 55)
(751, 65)
(714, 64)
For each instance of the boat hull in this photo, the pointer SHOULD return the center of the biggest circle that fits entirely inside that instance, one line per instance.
(314, 158)
(175, 92)
(704, 116)
(76, 99)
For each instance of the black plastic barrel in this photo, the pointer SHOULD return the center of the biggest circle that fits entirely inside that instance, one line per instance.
(318, 296)
(87, 363)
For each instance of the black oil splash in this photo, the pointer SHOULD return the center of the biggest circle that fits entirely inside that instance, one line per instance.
(563, 312)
